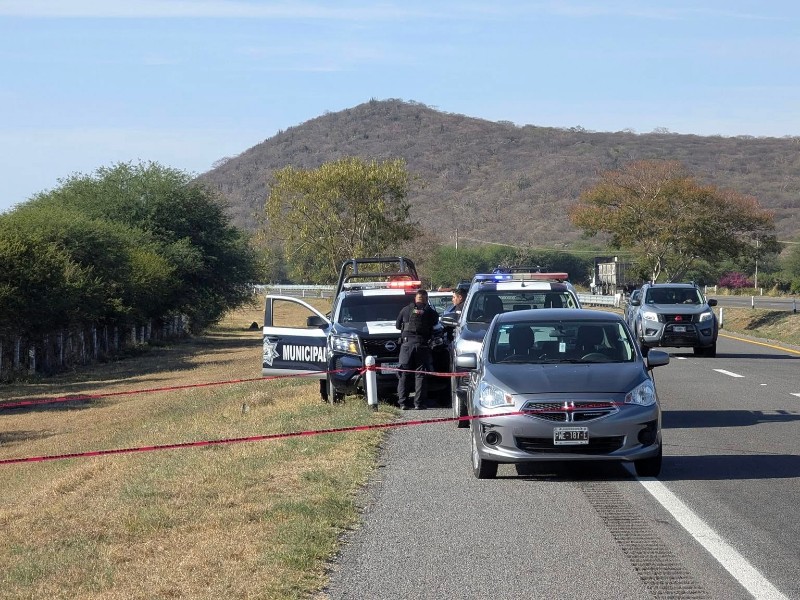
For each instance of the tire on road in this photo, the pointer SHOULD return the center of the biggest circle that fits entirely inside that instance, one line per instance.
(482, 468)
(649, 467)
(458, 406)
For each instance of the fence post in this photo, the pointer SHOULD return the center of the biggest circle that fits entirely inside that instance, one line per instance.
(372, 383)
(752, 301)
(721, 322)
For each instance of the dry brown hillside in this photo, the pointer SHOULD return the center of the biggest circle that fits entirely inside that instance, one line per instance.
(500, 182)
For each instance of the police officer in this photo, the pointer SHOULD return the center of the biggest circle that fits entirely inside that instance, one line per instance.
(458, 302)
(415, 322)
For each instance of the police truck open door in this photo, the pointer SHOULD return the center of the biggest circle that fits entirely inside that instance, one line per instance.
(295, 337)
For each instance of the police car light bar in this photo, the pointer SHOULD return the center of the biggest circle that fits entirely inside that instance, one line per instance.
(406, 284)
(484, 277)
(539, 276)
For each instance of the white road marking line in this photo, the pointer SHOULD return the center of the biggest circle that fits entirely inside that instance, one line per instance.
(724, 372)
(742, 571)
(680, 358)
(793, 394)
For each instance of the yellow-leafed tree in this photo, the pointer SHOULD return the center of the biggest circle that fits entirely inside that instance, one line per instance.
(345, 208)
(668, 220)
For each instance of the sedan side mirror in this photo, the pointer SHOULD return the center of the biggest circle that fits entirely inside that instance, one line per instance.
(635, 303)
(712, 302)
(657, 358)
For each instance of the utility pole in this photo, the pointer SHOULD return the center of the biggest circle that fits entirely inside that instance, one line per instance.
(756, 277)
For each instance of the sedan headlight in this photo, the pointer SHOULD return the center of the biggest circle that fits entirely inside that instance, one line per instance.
(347, 344)
(706, 316)
(468, 347)
(491, 396)
(643, 394)
(650, 316)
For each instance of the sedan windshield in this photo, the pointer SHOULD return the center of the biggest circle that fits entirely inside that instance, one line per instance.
(561, 341)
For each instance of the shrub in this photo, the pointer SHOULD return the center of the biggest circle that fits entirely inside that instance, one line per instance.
(735, 281)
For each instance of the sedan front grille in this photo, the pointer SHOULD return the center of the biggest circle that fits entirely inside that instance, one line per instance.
(596, 445)
(569, 412)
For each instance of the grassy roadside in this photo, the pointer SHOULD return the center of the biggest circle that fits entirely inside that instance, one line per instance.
(770, 325)
(244, 520)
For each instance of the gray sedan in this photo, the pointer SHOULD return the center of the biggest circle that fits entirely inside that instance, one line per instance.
(558, 384)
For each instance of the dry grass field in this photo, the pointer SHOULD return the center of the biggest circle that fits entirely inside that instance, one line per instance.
(243, 520)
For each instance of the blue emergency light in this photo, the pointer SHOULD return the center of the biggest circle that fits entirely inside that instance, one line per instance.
(482, 277)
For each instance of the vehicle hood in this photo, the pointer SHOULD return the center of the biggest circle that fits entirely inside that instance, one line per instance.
(376, 328)
(606, 378)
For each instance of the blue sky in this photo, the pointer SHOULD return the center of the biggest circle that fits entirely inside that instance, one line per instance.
(88, 83)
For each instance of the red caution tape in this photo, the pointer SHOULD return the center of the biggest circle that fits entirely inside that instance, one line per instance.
(82, 397)
(255, 438)
(431, 373)
(258, 438)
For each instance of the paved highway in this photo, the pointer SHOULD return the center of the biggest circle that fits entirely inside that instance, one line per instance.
(722, 520)
(763, 302)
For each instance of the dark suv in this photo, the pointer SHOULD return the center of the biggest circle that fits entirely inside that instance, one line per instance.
(370, 294)
(674, 315)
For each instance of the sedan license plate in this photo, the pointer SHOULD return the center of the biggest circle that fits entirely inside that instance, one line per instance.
(389, 366)
(570, 436)
(679, 328)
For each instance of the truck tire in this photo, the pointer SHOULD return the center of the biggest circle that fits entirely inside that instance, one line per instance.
(334, 397)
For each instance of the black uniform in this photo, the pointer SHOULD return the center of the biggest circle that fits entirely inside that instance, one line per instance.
(416, 323)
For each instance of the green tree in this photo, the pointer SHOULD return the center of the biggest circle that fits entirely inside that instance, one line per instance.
(791, 263)
(448, 266)
(127, 277)
(668, 220)
(790, 272)
(39, 284)
(211, 265)
(346, 208)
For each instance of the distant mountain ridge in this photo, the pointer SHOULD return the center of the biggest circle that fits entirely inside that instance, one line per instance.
(500, 182)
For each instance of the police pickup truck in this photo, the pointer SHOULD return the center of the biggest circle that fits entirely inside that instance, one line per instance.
(504, 290)
(370, 293)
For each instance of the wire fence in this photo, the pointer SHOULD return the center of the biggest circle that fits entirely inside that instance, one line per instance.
(67, 348)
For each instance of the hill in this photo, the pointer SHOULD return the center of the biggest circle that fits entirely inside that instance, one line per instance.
(500, 182)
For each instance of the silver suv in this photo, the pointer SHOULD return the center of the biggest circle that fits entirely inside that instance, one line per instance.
(674, 315)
